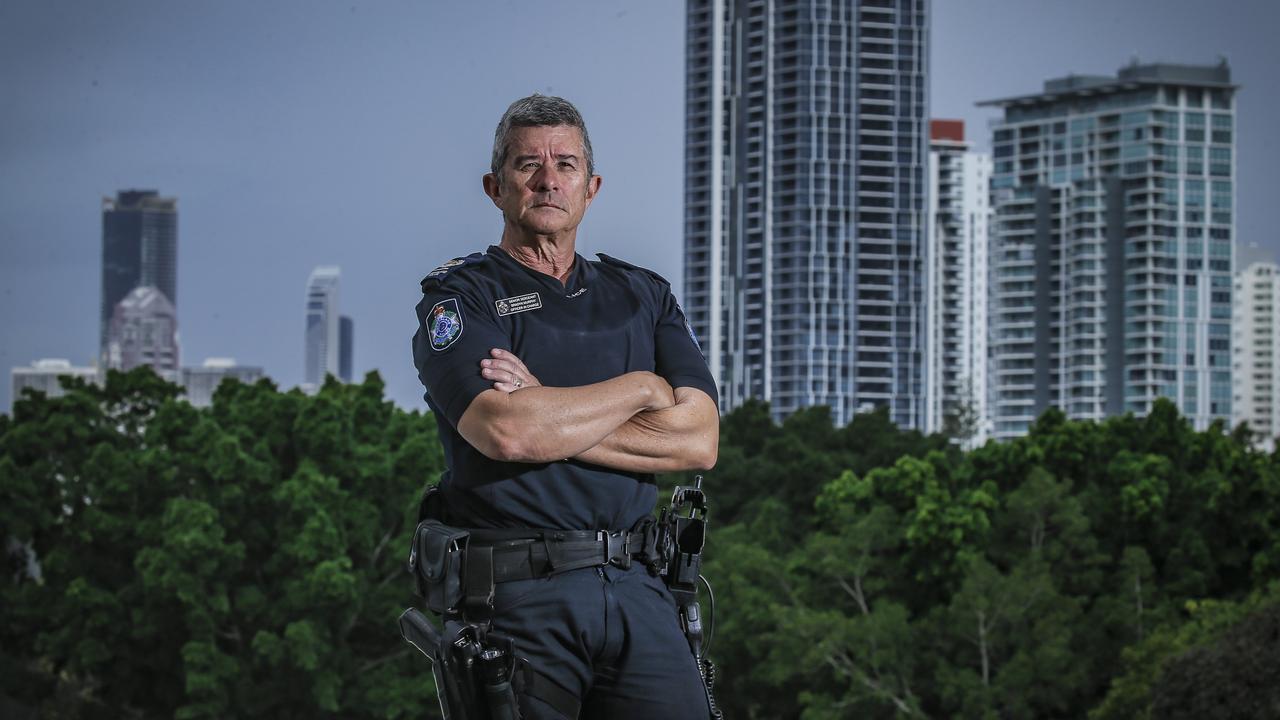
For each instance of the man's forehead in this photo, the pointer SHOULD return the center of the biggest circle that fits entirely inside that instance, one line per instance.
(535, 140)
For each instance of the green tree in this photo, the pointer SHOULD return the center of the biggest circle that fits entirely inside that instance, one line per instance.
(240, 560)
(961, 419)
(746, 566)
(1237, 677)
(1210, 648)
(843, 619)
(1002, 634)
(246, 560)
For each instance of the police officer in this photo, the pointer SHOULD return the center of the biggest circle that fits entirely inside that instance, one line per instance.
(561, 385)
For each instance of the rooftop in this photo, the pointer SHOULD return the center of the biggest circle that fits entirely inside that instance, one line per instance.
(139, 200)
(1128, 78)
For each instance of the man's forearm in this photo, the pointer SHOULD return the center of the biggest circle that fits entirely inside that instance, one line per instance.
(541, 424)
(684, 436)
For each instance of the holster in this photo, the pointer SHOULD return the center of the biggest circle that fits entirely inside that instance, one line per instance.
(477, 673)
(454, 572)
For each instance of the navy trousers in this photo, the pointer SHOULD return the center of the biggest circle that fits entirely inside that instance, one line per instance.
(609, 636)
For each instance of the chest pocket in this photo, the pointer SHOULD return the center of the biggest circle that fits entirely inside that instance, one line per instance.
(602, 334)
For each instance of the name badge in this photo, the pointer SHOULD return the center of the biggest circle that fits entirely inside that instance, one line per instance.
(518, 304)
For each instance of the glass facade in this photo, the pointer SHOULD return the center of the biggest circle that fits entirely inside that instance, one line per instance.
(806, 147)
(144, 331)
(139, 248)
(323, 345)
(1113, 247)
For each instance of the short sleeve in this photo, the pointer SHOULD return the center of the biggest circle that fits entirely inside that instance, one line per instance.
(455, 332)
(678, 359)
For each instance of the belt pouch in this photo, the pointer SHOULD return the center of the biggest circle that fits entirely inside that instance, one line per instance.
(437, 565)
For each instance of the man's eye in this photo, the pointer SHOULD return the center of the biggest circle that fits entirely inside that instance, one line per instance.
(566, 166)
(529, 166)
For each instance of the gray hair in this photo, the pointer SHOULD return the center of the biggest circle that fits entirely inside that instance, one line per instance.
(538, 110)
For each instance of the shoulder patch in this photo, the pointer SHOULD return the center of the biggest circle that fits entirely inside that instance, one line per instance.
(439, 274)
(608, 260)
(445, 323)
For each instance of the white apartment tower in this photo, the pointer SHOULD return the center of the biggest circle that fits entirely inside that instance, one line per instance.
(805, 153)
(322, 342)
(1256, 372)
(956, 291)
(1112, 251)
(43, 376)
(202, 382)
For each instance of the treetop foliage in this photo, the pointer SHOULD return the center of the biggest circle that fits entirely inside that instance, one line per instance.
(244, 560)
(247, 560)
(870, 572)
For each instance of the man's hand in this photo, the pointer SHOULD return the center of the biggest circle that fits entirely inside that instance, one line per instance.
(507, 372)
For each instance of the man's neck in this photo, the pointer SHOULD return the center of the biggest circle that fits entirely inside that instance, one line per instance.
(549, 255)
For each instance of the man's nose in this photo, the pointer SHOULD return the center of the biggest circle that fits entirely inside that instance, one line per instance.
(545, 179)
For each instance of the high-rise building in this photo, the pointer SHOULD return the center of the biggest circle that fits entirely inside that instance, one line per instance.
(805, 152)
(1112, 252)
(144, 331)
(346, 347)
(200, 383)
(1256, 369)
(139, 248)
(43, 376)
(956, 291)
(322, 341)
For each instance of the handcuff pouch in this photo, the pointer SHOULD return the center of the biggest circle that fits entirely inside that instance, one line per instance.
(436, 561)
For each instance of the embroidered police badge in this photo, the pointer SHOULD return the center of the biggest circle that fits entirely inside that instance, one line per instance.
(445, 323)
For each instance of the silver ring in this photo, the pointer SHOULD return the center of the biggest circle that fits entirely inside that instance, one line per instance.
(517, 383)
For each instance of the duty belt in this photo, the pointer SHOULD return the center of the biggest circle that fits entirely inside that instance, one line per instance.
(549, 552)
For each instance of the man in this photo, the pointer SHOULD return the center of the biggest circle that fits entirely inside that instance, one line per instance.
(560, 386)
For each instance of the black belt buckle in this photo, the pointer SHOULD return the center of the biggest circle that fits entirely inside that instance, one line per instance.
(616, 548)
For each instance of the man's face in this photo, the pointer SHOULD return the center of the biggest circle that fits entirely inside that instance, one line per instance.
(544, 188)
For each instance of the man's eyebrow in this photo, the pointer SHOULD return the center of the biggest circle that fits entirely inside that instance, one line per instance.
(522, 159)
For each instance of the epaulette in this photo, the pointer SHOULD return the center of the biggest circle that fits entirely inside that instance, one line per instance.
(636, 268)
(438, 275)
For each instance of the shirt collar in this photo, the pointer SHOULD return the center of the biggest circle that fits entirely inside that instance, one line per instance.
(581, 274)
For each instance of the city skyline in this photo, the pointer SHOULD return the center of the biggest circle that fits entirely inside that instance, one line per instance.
(360, 142)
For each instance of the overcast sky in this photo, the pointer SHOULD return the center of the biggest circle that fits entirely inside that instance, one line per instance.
(297, 134)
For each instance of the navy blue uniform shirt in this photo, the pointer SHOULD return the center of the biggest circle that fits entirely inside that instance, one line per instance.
(608, 318)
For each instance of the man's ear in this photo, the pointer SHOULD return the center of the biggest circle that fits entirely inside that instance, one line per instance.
(492, 187)
(593, 187)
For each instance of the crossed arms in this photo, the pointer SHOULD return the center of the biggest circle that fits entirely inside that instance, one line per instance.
(634, 422)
